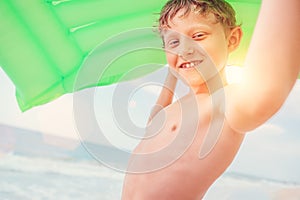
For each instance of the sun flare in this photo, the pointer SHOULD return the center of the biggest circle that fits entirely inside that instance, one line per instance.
(235, 74)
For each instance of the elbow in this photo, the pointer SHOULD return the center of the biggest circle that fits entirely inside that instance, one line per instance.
(264, 110)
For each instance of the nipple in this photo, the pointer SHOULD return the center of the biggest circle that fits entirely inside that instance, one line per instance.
(174, 127)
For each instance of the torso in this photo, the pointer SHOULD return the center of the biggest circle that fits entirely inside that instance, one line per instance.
(169, 164)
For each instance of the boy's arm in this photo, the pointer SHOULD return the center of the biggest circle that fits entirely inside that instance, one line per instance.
(271, 67)
(166, 95)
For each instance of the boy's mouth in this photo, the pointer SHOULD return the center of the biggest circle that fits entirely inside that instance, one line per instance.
(192, 64)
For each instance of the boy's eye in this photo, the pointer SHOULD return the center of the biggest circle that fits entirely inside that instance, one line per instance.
(172, 43)
(198, 36)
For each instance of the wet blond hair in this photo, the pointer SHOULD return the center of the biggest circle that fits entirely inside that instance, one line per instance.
(222, 10)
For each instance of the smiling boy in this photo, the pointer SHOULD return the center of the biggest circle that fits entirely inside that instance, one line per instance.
(192, 141)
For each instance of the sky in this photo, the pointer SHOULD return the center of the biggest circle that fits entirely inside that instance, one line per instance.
(276, 143)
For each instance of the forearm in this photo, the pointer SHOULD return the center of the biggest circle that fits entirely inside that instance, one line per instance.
(271, 67)
(273, 59)
(166, 95)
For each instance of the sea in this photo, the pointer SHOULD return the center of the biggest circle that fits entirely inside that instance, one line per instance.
(33, 169)
(33, 178)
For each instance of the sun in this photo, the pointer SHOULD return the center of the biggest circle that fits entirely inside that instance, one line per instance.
(234, 74)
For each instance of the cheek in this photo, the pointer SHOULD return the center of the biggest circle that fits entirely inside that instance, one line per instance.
(218, 53)
(171, 59)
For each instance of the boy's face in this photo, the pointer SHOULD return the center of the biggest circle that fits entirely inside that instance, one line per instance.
(196, 47)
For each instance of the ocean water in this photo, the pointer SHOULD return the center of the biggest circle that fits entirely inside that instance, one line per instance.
(32, 167)
(35, 178)
(30, 178)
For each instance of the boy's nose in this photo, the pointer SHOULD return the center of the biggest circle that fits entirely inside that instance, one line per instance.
(186, 52)
(186, 48)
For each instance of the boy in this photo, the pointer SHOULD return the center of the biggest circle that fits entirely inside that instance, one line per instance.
(192, 141)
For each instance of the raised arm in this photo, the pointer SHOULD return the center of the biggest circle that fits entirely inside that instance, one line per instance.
(166, 95)
(271, 67)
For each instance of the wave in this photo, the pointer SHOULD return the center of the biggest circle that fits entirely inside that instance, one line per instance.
(92, 168)
(258, 180)
(76, 168)
(90, 177)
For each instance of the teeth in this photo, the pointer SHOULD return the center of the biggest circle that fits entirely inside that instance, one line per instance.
(190, 65)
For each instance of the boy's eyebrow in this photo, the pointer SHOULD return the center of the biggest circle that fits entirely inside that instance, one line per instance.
(189, 30)
(168, 33)
(168, 36)
(198, 27)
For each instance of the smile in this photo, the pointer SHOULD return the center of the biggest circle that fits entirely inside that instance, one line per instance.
(189, 65)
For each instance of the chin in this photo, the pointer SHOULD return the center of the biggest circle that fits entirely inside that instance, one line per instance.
(192, 81)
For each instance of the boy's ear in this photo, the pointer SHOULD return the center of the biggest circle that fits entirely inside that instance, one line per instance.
(234, 38)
